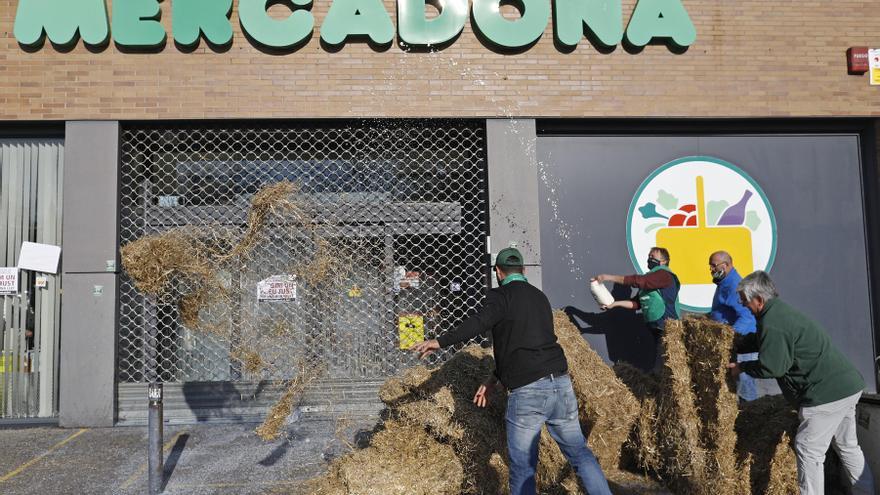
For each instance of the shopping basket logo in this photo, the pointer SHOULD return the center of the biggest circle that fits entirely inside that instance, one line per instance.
(693, 207)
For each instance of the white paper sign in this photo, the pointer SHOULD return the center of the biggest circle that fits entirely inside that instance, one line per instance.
(277, 288)
(874, 64)
(8, 281)
(39, 257)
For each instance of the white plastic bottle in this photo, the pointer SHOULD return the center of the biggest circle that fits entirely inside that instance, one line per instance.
(601, 294)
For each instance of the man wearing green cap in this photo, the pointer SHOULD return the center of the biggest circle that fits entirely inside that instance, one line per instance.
(531, 365)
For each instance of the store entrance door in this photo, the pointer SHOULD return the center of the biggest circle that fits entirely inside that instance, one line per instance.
(30, 211)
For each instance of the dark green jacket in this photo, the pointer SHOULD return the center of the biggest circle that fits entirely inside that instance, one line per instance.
(798, 352)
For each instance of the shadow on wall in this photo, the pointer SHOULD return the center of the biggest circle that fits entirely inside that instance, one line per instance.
(626, 337)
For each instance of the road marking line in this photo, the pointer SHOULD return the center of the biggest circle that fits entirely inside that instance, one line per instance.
(143, 468)
(36, 459)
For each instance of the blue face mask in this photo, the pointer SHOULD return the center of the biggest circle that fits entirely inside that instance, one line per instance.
(653, 263)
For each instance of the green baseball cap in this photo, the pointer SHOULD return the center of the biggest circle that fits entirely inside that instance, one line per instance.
(509, 257)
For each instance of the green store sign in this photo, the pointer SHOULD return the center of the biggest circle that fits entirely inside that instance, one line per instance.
(136, 24)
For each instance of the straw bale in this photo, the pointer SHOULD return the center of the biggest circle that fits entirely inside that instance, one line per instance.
(642, 444)
(440, 401)
(678, 427)
(607, 408)
(710, 345)
(554, 475)
(783, 469)
(501, 472)
(398, 388)
(682, 424)
(626, 483)
(401, 459)
(763, 428)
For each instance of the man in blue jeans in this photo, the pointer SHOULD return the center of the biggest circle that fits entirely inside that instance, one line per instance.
(726, 308)
(530, 364)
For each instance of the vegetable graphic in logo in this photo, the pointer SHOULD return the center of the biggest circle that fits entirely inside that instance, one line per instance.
(721, 208)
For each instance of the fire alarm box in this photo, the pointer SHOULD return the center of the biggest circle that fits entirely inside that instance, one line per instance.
(857, 60)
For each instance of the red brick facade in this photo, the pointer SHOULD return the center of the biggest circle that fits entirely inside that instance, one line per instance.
(751, 59)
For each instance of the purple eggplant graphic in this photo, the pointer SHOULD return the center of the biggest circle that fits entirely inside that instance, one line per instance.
(736, 214)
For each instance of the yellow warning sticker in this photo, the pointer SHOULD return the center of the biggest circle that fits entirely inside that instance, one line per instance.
(355, 291)
(412, 330)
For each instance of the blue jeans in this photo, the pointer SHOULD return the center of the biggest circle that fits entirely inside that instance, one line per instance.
(550, 401)
(747, 388)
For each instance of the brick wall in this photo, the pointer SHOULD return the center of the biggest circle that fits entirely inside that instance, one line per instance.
(751, 58)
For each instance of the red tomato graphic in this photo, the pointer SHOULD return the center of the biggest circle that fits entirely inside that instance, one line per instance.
(688, 218)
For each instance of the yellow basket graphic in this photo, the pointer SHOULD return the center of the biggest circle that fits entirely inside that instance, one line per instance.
(411, 329)
(690, 247)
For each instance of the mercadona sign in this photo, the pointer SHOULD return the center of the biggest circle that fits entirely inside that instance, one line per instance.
(136, 24)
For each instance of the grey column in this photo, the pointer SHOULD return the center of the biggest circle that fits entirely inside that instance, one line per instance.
(90, 263)
(513, 190)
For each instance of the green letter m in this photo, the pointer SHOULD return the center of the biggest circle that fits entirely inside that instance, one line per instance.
(61, 19)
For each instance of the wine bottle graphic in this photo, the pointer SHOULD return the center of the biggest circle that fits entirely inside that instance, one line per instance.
(736, 214)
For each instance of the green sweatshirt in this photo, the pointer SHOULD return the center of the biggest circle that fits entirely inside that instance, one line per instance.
(799, 354)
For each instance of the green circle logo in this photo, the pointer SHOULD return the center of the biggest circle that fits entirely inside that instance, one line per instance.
(694, 206)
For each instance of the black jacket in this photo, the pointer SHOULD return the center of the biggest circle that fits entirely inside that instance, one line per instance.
(523, 340)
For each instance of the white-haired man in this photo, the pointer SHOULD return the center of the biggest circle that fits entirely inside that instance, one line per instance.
(814, 376)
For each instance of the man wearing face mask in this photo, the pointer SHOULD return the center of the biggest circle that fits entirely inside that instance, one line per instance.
(657, 296)
(531, 365)
(727, 309)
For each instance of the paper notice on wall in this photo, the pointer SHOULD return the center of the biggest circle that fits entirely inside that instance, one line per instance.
(874, 65)
(277, 288)
(39, 257)
(8, 281)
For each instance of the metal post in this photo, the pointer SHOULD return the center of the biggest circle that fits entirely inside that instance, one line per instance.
(154, 393)
(155, 438)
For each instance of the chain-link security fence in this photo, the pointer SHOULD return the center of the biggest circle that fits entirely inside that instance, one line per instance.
(378, 241)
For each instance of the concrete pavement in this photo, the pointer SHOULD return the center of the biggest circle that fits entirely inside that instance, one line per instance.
(199, 459)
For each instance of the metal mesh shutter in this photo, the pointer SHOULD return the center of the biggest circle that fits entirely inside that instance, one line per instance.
(406, 199)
